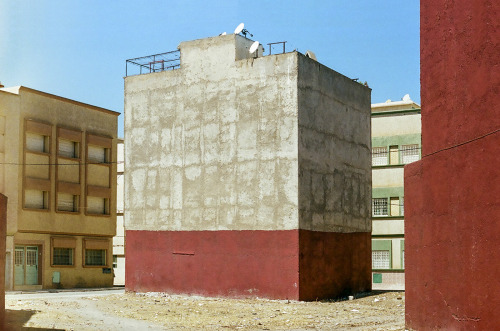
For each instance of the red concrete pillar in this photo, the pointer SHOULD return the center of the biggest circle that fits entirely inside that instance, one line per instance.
(3, 231)
(452, 196)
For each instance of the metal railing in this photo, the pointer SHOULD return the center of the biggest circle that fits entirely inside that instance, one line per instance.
(276, 45)
(153, 63)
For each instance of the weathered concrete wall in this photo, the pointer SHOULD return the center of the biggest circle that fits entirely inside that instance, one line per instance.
(452, 213)
(213, 145)
(212, 177)
(334, 156)
(3, 232)
(334, 150)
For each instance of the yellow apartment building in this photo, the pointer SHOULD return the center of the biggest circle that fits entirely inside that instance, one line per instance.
(58, 170)
(396, 141)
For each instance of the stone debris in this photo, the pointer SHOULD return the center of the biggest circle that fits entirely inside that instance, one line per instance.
(161, 311)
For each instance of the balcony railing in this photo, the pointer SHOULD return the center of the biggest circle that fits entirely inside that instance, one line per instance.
(153, 63)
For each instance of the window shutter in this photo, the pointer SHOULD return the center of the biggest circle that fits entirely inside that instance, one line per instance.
(35, 142)
(67, 148)
(33, 199)
(65, 202)
(96, 154)
(95, 205)
(64, 242)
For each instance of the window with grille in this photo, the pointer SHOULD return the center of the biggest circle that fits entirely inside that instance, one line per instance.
(68, 148)
(410, 153)
(19, 256)
(37, 142)
(95, 257)
(31, 256)
(62, 256)
(67, 202)
(379, 207)
(35, 199)
(380, 156)
(381, 260)
(97, 154)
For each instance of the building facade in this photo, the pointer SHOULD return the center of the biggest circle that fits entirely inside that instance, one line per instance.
(453, 211)
(119, 238)
(57, 169)
(247, 175)
(396, 141)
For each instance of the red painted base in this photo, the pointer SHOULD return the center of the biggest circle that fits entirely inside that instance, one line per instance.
(272, 264)
(334, 264)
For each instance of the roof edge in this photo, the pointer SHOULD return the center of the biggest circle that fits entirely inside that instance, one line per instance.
(30, 90)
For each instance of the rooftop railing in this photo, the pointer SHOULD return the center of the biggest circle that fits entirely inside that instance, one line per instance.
(153, 63)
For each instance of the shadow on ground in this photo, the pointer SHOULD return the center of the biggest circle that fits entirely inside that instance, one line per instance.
(15, 320)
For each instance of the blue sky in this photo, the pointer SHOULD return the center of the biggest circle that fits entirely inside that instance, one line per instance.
(77, 49)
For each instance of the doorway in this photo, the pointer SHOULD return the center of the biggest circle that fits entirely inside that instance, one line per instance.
(26, 265)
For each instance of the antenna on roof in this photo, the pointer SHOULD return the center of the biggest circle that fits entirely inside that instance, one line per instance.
(254, 48)
(223, 34)
(239, 28)
(245, 31)
(406, 97)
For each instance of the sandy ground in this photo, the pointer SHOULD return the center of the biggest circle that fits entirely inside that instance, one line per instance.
(158, 311)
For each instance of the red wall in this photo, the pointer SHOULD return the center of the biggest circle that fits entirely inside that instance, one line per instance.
(3, 232)
(460, 72)
(334, 264)
(293, 264)
(452, 197)
(214, 263)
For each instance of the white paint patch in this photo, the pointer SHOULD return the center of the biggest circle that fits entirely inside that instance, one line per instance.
(192, 173)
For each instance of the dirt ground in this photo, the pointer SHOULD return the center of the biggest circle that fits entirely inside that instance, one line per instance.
(158, 311)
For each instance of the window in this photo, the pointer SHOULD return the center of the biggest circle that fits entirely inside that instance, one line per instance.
(37, 142)
(63, 250)
(410, 153)
(97, 154)
(67, 202)
(379, 156)
(68, 148)
(379, 207)
(402, 206)
(95, 257)
(115, 261)
(35, 199)
(62, 256)
(381, 259)
(97, 205)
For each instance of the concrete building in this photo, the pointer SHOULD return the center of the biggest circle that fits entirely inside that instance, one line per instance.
(3, 235)
(396, 141)
(57, 169)
(247, 175)
(119, 238)
(453, 194)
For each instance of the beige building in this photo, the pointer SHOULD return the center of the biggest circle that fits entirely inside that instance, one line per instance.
(58, 170)
(396, 141)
